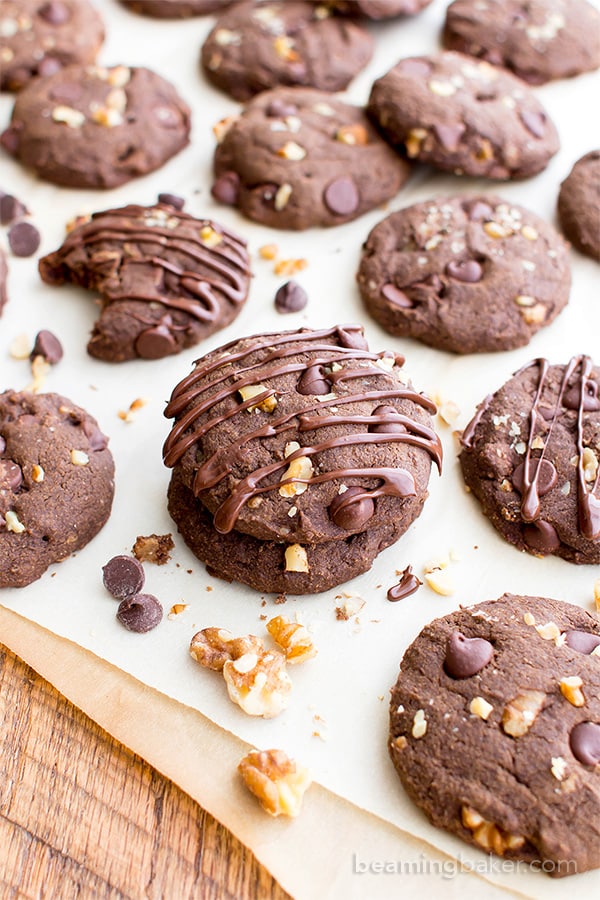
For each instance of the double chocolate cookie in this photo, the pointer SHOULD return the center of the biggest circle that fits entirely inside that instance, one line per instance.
(93, 127)
(256, 47)
(297, 457)
(539, 40)
(40, 37)
(378, 9)
(56, 483)
(465, 274)
(464, 116)
(579, 205)
(297, 158)
(166, 279)
(495, 730)
(3, 279)
(531, 457)
(175, 9)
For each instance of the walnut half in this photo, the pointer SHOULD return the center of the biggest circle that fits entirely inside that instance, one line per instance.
(258, 682)
(213, 647)
(278, 781)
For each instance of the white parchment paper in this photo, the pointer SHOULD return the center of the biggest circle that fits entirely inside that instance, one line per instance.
(337, 719)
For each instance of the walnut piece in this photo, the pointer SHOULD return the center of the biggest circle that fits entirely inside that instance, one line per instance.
(293, 638)
(296, 559)
(520, 712)
(489, 835)
(278, 781)
(299, 467)
(570, 688)
(213, 647)
(249, 391)
(258, 682)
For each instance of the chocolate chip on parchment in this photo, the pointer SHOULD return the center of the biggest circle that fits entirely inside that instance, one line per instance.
(290, 297)
(123, 576)
(140, 613)
(23, 239)
(48, 346)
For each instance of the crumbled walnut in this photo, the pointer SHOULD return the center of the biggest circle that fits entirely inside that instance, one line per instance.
(440, 581)
(278, 781)
(283, 194)
(448, 411)
(268, 404)
(154, 548)
(485, 151)
(300, 467)
(268, 251)
(529, 233)
(597, 594)
(413, 142)
(442, 88)
(20, 347)
(289, 266)
(400, 742)
(284, 48)
(352, 135)
(224, 37)
(210, 237)
(291, 150)
(570, 688)
(529, 618)
(79, 458)
(548, 632)
(489, 835)
(293, 638)
(496, 231)
(558, 767)
(535, 315)
(296, 558)
(589, 462)
(520, 712)
(39, 369)
(68, 116)
(37, 474)
(419, 727)
(213, 647)
(481, 708)
(222, 127)
(12, 522)
(129, 414)
(351, 606)
(177, 609)
(258, 683)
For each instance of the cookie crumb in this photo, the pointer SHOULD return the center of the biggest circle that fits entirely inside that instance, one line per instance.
(154, 548)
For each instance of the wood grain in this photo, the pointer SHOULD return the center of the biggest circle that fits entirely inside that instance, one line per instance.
(82, 816)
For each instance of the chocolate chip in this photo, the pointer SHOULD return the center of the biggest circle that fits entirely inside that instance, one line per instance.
(290, 298)
(10, 139)
(123, 576)
(313, 382)
(154, 343)
(97, 440)
(467, 270)
(449, 135)
(10, 209)
(48, 66)
(352, 338)
(279, 109)
(394, 295)
(140, 613)
(226, 188)
(11, 476)
(582, 641)
(478, 210)
(585, 743)
(390, 426)
(24, 239)
(54, 12)
(408, 584)
(544, 474)
(591, 400)
(417, 67)
(172, 200)
(534, 122)
(466, 656)
(341, 196)
(541, 536)
(351, 514)
(67, 92)
(48, 346)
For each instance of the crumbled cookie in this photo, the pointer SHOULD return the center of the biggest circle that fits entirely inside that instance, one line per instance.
(153, 548)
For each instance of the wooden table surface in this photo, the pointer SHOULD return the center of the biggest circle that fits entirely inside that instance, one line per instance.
(82, 816)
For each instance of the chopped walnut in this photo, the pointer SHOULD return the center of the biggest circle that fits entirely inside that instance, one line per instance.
(548, 632)
(222, 127)
(79, 458)
(289, 266)
(597, 594)
(558, 767)
(209, 237)
(419, 728)
(278, 781)
(300, 467)
(529, 618)
(489, 835)
(442, 88)
(13, 523)
(153, 548)
(213, 647)
(296, 558)
(291, 150)
(283, 194)
(284, 48)
(268, 251)
(352, 135)
(267, 404)
(570, 688)
(37, 474)
(534, 315)
(258, 683)
(440, 581)
(68, 116)
(529, 233)
(293, 638)
(520, 712)
(177, 609)
(589, 462)
(350, 607)
(413, 142)
(481, 708)
(496, 231)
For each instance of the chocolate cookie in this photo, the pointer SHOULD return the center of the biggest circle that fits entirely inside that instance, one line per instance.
(93, 127)
(297, 158)
(304, 436)
(495, 730)
(539, 40)
(530, 456)
(175, 9)
(166, 279)
(253, 48)
(277, 567)
(56, 483)
(464, 116)
(378, 9)
(579, 205)
(465, 274)
(40, 37)
(3, 279)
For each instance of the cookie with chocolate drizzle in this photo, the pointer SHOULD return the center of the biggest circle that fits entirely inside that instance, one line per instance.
(166, 279)
(301, 439)
(531, 457)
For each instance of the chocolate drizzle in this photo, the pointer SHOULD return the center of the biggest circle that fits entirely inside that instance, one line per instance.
(278, 356)
(408, 584)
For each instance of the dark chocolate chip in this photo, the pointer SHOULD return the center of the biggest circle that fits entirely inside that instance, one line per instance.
(290, 297)
(541, 536)
(352, 338)
(394, 295)
(140, 613)
(313, 382)
(341, 196)
(279, 109)
(10, 139)
(11, 476)
(67, 92)
(467, 270)
(534, 121)
(544, 474)
(48, 346)
(478, 210)
(351, 514)
(49, 65)
(449, 135)
(591, 400)
(154, 343)
(167, 117)
(418, 68)
(97, 440)
(24, 239)
(390, 426)
(582, 641)
(173, 200)
(466, 656)
(226, 188)
(123, 576)
(585, 743)
(10, 209)
(54, 12)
